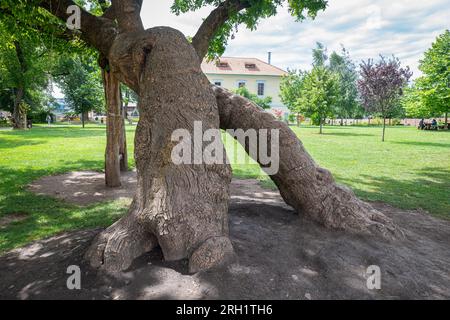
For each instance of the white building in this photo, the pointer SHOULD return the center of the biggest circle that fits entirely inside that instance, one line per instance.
(257, 76)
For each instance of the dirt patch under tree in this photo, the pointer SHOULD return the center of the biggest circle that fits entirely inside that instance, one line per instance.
(279, 255)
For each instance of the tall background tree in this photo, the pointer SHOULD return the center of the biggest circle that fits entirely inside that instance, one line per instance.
(347, 104)
(381, 86)
(80, 81)
(290, 89)
(25, 68)
(319, 95)
(183, 207)
(430, 94)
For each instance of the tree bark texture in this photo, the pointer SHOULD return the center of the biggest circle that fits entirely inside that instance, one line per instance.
(182, 208)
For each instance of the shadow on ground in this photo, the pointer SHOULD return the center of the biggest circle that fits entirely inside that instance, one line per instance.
(279, 256)
(418, 190)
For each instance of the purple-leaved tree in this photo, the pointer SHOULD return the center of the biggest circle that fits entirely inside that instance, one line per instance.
(381, 85)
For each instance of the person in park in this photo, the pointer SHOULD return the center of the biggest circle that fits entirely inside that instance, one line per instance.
(434, 124)
(49, 120)
(422, 124)
(183, 208)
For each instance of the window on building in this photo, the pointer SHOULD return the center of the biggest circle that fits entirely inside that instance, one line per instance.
(241, 84)
(261, 88)
(250, 65)
(222, 64)
(217, 82)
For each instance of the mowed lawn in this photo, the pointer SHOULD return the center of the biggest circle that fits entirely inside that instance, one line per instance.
(410, 170)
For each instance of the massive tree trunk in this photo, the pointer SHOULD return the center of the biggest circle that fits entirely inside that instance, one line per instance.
(113, 129)
(310, 189)
(181, 207)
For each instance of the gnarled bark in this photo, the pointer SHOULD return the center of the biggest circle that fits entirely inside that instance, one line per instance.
(183, 208)
(310, 189)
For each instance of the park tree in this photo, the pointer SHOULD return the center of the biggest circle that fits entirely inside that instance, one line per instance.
(430, 94)
(381, 86)
(80, 81)
(290, 88)
(183, 207)
(319, 95)
(347, 104)
(319, 55)
(24, 72)
(261, 102)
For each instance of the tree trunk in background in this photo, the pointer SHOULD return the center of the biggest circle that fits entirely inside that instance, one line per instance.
(82, 119)
(310, 189)
(113, 129)
(446, 118)
(384, 129)
(19, 115)
(321, 124)
(181, 207)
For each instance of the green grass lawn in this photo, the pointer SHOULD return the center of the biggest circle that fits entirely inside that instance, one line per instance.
(410, 170)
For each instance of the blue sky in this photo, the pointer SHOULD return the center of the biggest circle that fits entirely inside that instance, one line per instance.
(367, 28)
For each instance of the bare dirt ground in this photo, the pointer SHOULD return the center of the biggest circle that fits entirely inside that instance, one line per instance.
(279, 255)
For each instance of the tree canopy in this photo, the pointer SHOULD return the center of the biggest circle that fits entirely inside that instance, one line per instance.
(223, 22)
(319, 94)
(430, 94)
(381, 86)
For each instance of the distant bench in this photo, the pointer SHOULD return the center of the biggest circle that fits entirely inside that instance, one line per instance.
(428, 126)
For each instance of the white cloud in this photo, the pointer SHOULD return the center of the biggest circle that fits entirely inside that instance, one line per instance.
(367, 28)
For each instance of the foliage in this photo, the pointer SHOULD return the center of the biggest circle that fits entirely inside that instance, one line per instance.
(262, 102)
(290, 89)
(23, 64)
(381, 84)
(250, 17)
(347, 105)
(430, 94)
(80, 81)
(319, 94)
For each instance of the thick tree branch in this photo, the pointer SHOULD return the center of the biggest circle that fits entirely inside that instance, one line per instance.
(214, 22)
(310, 189)
(97, 31)
(127, 13)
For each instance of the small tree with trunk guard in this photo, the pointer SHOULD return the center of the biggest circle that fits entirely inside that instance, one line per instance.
(381, 86)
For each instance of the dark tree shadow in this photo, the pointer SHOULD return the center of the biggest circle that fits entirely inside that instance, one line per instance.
(424, 144)
(429, 192)
(347, 134)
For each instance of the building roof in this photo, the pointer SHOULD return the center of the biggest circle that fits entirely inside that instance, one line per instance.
(243, 66)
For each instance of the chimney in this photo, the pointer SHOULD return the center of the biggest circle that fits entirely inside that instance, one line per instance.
(269, 57)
